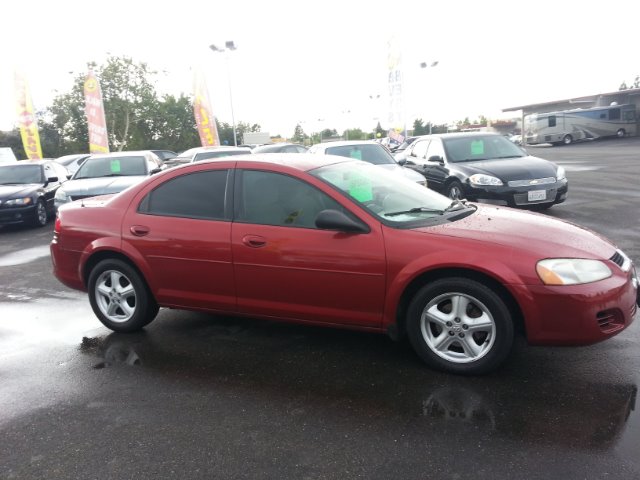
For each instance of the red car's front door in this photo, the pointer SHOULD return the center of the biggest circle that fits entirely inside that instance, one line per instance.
(286, 267)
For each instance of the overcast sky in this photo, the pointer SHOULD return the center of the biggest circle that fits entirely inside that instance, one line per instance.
(304, 61)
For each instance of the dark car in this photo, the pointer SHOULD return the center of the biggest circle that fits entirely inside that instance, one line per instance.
(27, 190)
(165, 155)
(107, 173)
(487, 168)
(280, 148)
(323, 240)
(72, 162)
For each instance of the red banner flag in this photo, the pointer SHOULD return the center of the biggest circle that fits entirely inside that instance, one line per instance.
(27, 119)
(202, 110)
(94, 110)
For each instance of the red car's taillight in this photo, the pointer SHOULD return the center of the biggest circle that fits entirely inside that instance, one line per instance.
(56, 229)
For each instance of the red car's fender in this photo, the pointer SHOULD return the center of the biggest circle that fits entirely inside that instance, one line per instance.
(399, 281)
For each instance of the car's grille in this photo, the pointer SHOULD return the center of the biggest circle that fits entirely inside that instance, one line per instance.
(610, 320)
(523, 199)
(529, 183)
(618, 259)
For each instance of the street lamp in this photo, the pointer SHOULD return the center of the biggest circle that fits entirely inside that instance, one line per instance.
(228, 46)
(374, 97)
(425, 65)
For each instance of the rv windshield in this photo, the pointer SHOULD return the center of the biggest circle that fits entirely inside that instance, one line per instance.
(480, 147)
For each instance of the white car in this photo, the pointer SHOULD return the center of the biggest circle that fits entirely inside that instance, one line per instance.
(208, 153)
(368, 151)
(73, 162)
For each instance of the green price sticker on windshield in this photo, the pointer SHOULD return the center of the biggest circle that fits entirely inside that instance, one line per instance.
(477, 147)
(356, 153)
(115, 166)
(360, 188)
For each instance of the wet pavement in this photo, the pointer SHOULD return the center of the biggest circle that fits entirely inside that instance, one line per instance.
(198, 396)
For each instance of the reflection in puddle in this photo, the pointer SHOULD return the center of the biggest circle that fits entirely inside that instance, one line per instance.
(24, 256)
(579, 415)
(459, 404)
(113, 352)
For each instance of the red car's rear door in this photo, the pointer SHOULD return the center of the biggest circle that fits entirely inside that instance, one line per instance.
(180, 231)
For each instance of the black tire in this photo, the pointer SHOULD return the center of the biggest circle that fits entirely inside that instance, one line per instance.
(454, 190)
(567, 139)
(474, 342)
(621, 133)
(120, 297)
(40, 215)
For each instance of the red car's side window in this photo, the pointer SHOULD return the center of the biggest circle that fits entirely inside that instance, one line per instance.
(196, 195)
(274, 199)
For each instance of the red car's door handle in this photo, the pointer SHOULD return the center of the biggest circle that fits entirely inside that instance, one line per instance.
(254, 241)
(139, 230)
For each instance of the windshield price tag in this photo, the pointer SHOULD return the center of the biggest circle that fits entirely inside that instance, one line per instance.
(360, 188)
(477, 147)
(115, 166)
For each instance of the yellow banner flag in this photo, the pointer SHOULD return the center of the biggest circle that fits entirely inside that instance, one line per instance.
(202, 110)
(27, 119)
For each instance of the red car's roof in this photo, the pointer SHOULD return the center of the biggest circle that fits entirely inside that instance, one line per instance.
(300, 161)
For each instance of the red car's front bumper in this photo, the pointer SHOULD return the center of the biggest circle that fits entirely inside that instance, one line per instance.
(578, 314)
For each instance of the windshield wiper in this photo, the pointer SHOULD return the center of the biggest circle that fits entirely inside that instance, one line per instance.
(511, 156)
(415, 210)
(455, 206)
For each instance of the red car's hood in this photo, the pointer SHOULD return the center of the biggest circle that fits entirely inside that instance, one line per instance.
(539, 234)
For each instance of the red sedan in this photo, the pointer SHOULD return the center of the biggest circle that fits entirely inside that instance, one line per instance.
(337, 242)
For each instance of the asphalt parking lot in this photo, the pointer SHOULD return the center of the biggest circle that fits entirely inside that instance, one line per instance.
(202, 396)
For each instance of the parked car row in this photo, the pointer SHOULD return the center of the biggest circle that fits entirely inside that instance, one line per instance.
(486, 168)
(480, 167)
(27, 191)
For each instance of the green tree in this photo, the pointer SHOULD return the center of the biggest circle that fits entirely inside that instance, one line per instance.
(635, 84)
(379, 130)
(298, 134)
(130, 104)
(174, 125)
(66, 116)
(354, 134)
(136, 118)
(419, 128)
(130, 101)
(13, 140)
(243, 127)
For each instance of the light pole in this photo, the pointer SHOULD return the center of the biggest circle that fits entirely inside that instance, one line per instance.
(425, 65)
(228, 46)
(320, 122)
(346, 114)
(374, 97)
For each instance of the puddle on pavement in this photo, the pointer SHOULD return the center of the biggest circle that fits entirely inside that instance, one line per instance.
(41, 321)
(110, 352)
(582, 415)
(24, 256)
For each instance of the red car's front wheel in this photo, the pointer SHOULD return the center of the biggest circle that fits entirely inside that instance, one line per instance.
(460, 326)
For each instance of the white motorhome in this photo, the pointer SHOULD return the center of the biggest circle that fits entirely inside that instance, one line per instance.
(569, 126)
